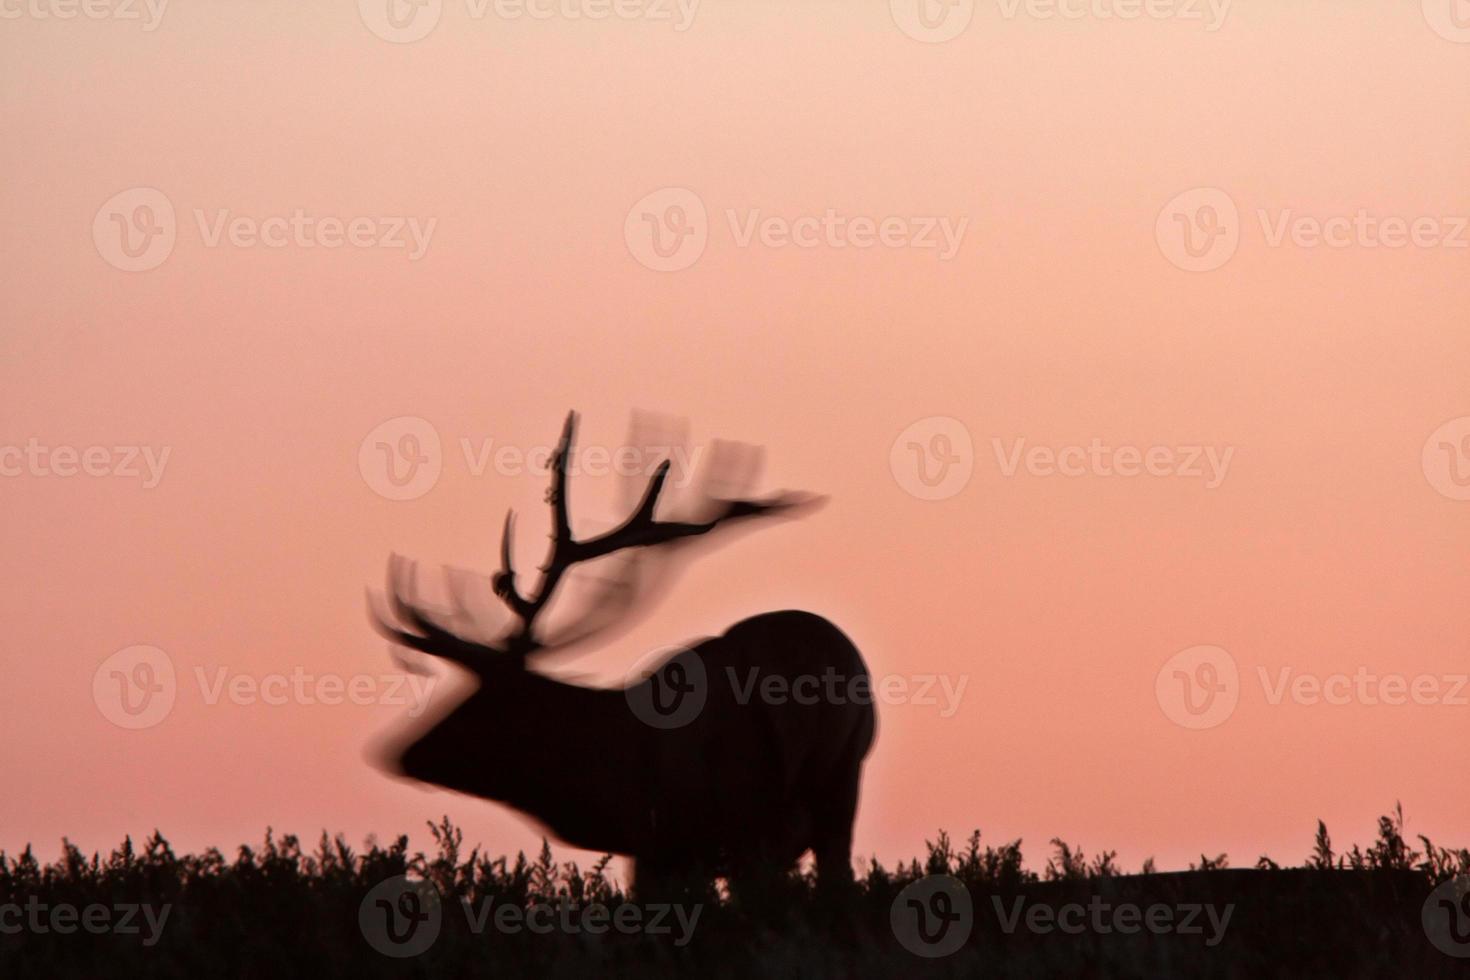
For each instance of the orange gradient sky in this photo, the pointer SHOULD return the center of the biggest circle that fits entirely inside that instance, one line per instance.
(1061, 318)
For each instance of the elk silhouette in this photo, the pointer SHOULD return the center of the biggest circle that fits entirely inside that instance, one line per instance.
(695, 771)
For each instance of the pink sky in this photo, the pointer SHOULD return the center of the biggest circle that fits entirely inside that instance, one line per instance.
(1328, 544)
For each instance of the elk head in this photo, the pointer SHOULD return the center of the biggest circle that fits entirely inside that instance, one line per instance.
(457, 751)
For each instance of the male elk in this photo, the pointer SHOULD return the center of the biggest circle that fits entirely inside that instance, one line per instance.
(740, 787)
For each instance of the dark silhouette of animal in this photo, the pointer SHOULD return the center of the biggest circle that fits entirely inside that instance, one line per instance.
(732, 758)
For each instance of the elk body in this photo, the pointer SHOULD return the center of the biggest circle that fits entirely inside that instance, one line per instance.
(732, 757)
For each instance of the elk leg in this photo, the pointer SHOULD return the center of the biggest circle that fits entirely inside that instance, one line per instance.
(833, 813)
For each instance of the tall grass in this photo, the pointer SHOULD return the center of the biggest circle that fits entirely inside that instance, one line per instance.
(281, 909)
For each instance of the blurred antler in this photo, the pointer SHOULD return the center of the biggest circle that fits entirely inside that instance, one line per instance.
(639, 530)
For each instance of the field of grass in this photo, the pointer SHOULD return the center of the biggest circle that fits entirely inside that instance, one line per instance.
(281, 910)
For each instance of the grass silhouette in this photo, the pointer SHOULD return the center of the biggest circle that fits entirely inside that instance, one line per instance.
(283, 910)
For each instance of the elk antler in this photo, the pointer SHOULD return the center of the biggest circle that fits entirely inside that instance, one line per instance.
(641, 529)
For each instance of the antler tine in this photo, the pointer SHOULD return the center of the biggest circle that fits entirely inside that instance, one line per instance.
(429, 637)
(641, 529)
(559, 559)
